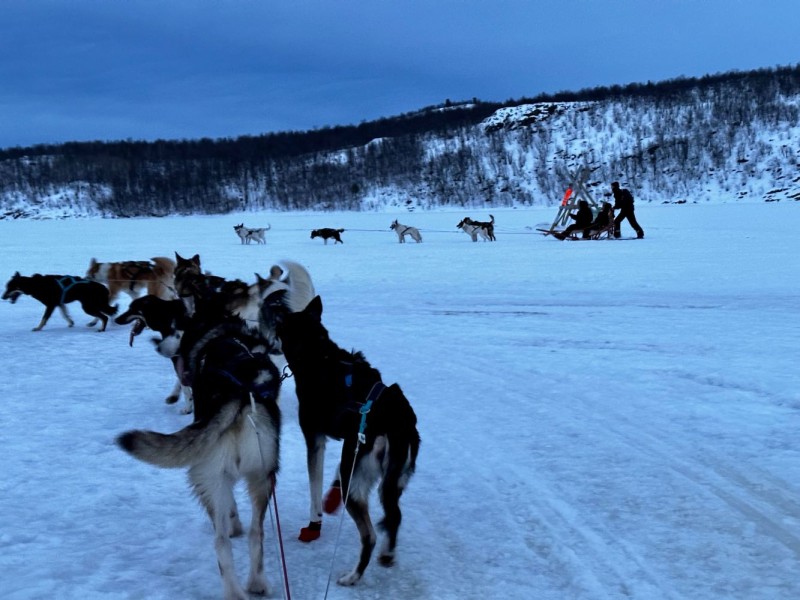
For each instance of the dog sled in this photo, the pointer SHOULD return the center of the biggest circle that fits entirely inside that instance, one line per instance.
(604, 233)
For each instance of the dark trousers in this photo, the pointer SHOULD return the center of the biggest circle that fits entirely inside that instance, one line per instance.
(574, 227)
(627, 214)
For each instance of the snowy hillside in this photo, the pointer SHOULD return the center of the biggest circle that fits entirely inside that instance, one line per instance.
(725, 139)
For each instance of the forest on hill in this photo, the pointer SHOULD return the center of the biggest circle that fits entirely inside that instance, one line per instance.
(729, 136)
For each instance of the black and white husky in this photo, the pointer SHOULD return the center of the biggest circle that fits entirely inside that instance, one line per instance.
(477, 228)
(56, 291)
(249, 234)
(235, 434)
(340, 395)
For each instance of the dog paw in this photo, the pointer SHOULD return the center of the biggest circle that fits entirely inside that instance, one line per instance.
(171, 399)
(350, 578)
(312, 532)
(386, 560)
(256, 584)
(333, 500)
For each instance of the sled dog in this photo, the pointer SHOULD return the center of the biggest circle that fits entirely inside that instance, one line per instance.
(235, 435)
(134, 276)
(405, 230)
(191, 284)
(484, 229)
(56, 291)
(327, 233)
(247, 234)
(334, 389)
(164, 317)
(486, 226)
(471, 230)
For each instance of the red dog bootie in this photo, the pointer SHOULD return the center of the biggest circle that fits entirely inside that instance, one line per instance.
(333, 499)
(312, 532)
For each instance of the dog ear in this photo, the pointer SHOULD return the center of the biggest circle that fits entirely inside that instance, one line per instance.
(314, 308)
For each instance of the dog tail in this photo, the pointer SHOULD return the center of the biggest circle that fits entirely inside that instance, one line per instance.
(182, 448)
(492, 219)
(300, 288)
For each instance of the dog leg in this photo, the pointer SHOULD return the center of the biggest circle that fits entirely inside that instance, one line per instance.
(315, 455)
(356, 492)
(46, 317)
(359, 511)
(217, 496)
(391, 490)
(260, 489)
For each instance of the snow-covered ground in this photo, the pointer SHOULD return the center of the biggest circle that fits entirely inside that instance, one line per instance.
(600, 420)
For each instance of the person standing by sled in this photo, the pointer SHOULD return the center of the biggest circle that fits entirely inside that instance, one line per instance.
(623, 201)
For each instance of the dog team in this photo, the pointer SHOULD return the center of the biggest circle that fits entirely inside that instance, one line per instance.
(222, 338)
(475, 229)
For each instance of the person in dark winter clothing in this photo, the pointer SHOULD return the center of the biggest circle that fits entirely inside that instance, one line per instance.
(601, 221)
(583, 219)
(623, 201)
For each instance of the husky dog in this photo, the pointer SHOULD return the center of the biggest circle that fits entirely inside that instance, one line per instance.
(133, 276)
(327, 233)
(487, 228)
(58, 291)
(477, 228)
(340, 395)
(471, 230)
(235, 435)
(247, 235)
(164, 317)
(191, 284)
(403, 230)
(247, 301)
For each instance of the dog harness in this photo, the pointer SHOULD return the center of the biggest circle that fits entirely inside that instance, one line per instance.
(263, 391)
(363, 409)
(133, 269)
(66, 283)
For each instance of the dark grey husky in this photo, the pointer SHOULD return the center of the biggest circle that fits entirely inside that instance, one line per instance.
(235, 433)
(341, 396)
(56, 291)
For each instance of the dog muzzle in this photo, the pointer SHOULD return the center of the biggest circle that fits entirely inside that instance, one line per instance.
(138, 327)
(12, 296)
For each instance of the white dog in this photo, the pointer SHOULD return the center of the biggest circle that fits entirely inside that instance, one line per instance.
(403, 230)
(247, 234)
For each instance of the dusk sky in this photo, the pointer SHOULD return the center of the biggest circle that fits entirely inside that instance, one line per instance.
(74, 70)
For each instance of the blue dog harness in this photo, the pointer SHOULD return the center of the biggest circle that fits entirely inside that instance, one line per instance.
(66, 283)
(374, 394)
